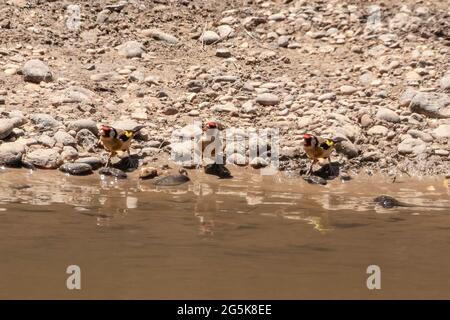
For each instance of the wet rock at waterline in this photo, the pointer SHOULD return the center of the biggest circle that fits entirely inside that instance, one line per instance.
(113, 172)
(389, 202)
(76, 169)
(44, 158)
(218, 170)
(11, 154)
(94, 162)
(173, 180)
(315, 180)
(148, 173)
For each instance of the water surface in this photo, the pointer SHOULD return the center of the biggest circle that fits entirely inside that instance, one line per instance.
(252, 237)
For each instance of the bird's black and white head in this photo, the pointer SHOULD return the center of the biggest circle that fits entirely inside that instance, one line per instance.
(107, 132)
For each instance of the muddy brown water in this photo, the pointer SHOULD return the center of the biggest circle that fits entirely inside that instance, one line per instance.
(252, 237)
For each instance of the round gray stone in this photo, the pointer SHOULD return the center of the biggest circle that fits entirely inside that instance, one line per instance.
(36, 71)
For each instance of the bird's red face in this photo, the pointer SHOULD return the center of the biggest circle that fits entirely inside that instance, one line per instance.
(106, 131)
(308, 138)
(211, 125)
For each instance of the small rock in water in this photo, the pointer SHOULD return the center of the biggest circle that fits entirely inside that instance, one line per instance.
(28, 165)
(76, 169)
(218, 170)
(20, 186)
(174, 180)
(315, 180)
(119, 174)
(258, 163)
(148, 173)
(389, 202)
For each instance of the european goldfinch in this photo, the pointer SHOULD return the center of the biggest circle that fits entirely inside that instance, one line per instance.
(208, 140)
(115, 140)
(318, 148)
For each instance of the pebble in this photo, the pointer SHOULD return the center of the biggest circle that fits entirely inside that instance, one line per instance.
(173, 180)
(443, 131)
(407, 96)
(315, 180)
(131, 49)
(76, 169)
(86, 139)
(44, 121)
(366, 120)
(433, 105)
(378, 131)
(237, 159)
(218, 170)
(46, 141)
(44, 158)
(445, 82)
(6, 127)
(267, 99)
(87, 124)
(148, 173)
(160, 35)
(11, 154)
(225, 31)
(210, 37)
(348, 149)
(36, 71)
(387, 115)
(412, 146)
(421, 135)
(258, 163)
(94, 162)
(347, 90)
(283, 41)
(327, 96)
(116, 173)
(64, 138)
(223, 53)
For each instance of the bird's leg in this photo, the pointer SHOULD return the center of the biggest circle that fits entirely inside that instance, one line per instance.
(333, 171)
(128, 159)
(108, 162)
(311, 167)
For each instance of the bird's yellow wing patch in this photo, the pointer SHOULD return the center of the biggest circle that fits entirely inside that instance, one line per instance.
(125, 135)
(327, 144)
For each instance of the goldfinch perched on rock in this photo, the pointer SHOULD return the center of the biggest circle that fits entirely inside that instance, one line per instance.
(114, 140)
(318, 148)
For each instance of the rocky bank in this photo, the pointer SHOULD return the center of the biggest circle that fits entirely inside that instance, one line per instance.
(377, 74)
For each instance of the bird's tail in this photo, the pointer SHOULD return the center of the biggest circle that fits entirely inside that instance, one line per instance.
(138, 128)
(338, 139)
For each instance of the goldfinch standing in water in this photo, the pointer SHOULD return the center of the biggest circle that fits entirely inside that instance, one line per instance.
(318, 148)
(115, 140)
